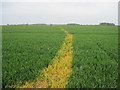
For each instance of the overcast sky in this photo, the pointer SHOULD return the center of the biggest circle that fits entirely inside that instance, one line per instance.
(59, 11)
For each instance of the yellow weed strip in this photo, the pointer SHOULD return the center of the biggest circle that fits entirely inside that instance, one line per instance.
(56, 74)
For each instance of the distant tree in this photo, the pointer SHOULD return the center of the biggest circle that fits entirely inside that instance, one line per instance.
(39, 24)
(27, 24)
(73, 24)
(107, 24)
(42, 24)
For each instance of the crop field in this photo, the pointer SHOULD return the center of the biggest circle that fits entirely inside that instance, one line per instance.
(59, 56)
(95, 57)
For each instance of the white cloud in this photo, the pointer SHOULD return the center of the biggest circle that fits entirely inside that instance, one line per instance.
(60, 0)
(60, 12)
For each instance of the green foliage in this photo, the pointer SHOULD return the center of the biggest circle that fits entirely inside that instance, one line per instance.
(95, 58)
(107, 24)
(27, 50)
(73, 24)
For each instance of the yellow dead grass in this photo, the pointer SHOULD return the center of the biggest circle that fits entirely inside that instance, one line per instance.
(56, 74)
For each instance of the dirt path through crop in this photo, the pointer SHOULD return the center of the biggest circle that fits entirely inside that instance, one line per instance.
(56, 74)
